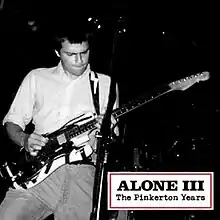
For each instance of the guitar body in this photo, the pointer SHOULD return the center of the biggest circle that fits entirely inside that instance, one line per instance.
(28, 171)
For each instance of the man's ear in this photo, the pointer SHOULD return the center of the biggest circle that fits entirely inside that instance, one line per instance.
(56, 52)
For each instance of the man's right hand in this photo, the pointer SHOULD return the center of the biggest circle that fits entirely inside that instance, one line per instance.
(34, 142)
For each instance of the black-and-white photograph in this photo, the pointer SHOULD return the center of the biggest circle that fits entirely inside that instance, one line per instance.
(93, 87)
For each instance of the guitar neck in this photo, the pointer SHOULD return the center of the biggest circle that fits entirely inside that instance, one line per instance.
(126, 108)
(77, 130)
(74, 130)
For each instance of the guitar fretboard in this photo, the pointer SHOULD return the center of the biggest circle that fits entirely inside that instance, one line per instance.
(76, 130)
(141, 101)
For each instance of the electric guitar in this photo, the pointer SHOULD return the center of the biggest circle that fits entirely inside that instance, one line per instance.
(28, 171)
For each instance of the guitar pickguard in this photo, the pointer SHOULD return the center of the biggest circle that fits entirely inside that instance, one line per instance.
(74, 156)
(66, 145)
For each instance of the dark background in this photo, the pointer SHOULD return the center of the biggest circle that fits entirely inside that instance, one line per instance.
(142, 47)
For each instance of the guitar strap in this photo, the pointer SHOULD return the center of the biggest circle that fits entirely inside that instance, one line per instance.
(94, 83)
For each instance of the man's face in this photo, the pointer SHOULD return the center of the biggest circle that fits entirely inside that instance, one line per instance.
(74, 57)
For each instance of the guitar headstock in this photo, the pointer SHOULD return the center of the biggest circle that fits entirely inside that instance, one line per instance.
(187, 82)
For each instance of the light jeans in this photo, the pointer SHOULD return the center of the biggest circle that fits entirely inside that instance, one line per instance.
(67, 193)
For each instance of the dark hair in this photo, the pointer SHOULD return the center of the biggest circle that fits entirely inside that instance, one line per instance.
(75, 32)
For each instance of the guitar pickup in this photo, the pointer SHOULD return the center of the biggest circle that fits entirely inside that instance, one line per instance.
(61, 139)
